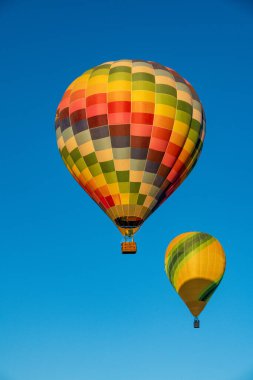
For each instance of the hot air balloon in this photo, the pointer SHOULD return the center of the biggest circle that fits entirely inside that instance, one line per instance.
(195, 264)
(129, 132)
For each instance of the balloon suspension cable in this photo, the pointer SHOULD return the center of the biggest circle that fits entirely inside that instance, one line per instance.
(196, 323)
(129, 236)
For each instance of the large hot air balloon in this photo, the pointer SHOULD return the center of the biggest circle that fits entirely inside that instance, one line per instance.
(129, 132)
(195, 264)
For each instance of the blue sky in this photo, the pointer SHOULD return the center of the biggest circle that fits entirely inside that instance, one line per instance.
(72, 307)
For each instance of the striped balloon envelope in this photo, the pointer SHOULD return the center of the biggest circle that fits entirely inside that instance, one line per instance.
(195, 264)
(130, 131)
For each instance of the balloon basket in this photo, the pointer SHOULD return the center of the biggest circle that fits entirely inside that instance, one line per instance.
(196, 323)
(128, 247)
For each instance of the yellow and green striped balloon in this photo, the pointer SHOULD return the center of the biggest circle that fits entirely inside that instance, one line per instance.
(195, 264)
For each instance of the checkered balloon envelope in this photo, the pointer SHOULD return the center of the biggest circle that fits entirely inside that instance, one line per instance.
(130, 132)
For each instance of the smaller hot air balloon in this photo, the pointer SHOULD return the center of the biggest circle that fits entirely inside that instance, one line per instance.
(195, 264)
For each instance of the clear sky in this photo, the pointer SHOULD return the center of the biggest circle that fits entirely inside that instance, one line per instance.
(72, 307)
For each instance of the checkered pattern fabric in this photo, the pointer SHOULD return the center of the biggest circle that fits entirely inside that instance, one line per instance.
(129, 132)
